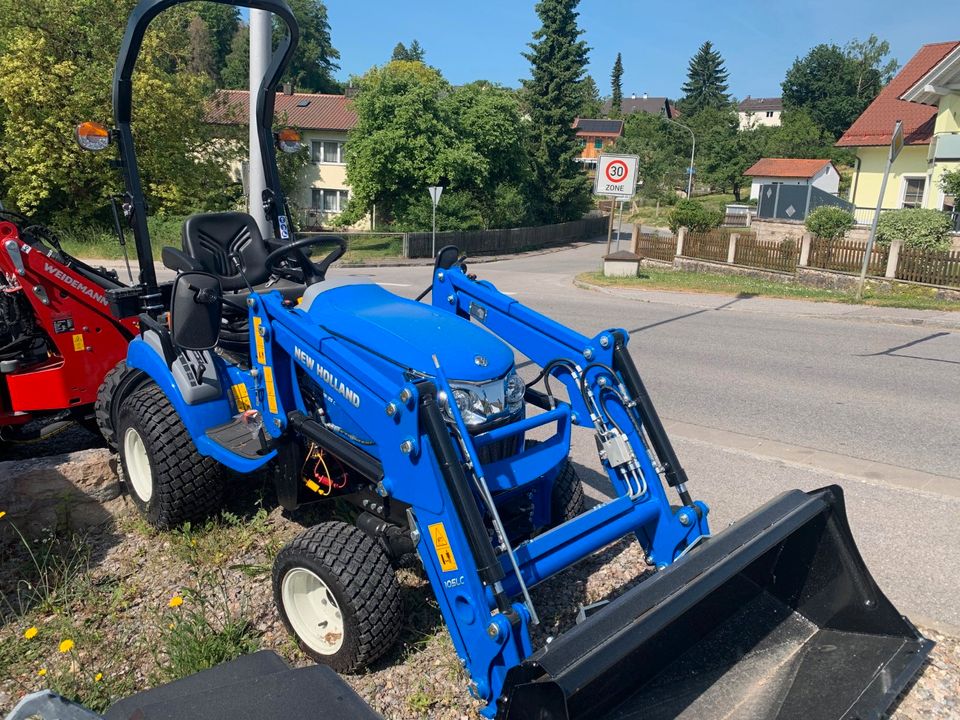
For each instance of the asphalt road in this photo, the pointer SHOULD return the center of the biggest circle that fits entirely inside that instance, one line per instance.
(762, 396)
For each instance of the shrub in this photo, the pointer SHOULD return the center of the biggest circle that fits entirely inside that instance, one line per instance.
(829, 222)
(915, 228)
(693, 216)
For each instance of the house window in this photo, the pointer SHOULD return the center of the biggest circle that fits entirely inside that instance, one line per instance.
(329, 201)
(769, 113)
(598, 144)
(913, 192)
(327, 151)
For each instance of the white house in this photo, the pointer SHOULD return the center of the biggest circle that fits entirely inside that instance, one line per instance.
(790, 171)
(760, 111)
(324, 122)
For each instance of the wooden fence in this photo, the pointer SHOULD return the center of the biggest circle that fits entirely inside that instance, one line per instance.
(508, 240)
(657, 247)
(936, 267)
(783, 255)
(714, 245)
(847, 256)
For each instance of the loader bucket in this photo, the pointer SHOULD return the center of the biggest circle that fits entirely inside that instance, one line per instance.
(775, 617)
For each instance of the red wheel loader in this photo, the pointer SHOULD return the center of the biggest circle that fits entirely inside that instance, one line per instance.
(58, 337)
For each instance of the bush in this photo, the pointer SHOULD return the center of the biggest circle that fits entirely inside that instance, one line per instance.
(829, 222)
(693, 216)
(915, 228)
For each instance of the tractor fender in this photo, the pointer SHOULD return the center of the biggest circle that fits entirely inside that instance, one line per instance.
(197, 417)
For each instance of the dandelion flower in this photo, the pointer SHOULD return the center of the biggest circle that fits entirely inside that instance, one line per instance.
(66, 645)
(30, 633)
(2, 513)
(41, 672)
(98, 677)
(176, 601)
(171, 626)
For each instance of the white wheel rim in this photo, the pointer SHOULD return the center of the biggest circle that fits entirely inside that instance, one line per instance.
(313, 611)
(138, 465)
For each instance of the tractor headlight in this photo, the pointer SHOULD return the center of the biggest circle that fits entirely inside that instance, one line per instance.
(480, 403)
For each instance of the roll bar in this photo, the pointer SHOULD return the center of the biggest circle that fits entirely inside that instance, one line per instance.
(137, 25)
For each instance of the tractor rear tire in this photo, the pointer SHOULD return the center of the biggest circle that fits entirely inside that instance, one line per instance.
(168, 480)
(103, 407)
(566, 499)
(337, 594)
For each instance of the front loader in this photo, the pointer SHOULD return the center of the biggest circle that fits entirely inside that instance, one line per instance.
(414, 416)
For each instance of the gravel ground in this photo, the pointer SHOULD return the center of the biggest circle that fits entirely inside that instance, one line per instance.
(134, 572)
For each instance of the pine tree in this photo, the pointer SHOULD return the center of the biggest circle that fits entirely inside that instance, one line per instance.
(616, 84)
(201, 59)
(706, 85)
(553, 98)
(414, 53)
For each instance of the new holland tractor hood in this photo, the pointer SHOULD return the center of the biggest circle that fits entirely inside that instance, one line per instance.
(407, 332)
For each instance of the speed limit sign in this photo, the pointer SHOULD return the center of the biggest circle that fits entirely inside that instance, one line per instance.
(616, 176)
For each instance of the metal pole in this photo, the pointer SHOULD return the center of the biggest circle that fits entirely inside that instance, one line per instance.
(873, 230)
(613, 208)
(261, 48)
(620, 225)
(434, 253)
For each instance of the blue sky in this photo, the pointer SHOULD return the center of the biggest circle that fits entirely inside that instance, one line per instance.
(759, 40)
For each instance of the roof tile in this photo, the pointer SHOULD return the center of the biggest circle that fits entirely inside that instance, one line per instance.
(875, 124)
(786, 167)
(307, 111)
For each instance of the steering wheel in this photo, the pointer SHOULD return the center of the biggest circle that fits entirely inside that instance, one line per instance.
(312, 272)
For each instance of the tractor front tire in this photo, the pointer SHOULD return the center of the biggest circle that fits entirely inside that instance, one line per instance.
(168, 480)
(337, 594)
(566, 499)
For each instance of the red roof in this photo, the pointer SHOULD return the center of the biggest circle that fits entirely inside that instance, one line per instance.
(307, 111)
(786, 167)
(875, 125)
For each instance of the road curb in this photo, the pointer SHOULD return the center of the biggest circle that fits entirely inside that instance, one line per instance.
(938, 323)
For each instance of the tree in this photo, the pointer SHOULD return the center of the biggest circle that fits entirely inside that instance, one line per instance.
(558, 60)
(413, 130)
(663, 150)
(414, 53)
(56, 68)
(223, 22)
(798, 137)
(706, 85)
(616, 86)
(950, 184)
(201, 57)
(590, 103)
(313, 63)
(723, 152)
(835, 85)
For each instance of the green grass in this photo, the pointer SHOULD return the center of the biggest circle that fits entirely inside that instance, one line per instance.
(100, 243)
(917, 298)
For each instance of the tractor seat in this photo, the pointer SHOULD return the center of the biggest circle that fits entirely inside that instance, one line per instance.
(212, 239)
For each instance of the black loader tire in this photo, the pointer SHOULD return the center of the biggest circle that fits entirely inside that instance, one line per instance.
(103, 407)
(185, 485)
(566, 499)
(358, 573)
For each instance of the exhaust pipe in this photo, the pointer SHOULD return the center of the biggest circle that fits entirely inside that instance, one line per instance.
(775, 617)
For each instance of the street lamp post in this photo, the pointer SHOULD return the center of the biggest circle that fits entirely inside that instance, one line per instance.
(693, 151)
(435, 192)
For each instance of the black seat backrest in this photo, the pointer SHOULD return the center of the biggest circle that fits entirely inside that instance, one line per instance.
(213, 238)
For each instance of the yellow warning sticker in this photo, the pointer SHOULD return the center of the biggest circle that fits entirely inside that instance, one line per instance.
(78, 343)
(242, 397)
(438, 533)
(261, 351)
(271, 390)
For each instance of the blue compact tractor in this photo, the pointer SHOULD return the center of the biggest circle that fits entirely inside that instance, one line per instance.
(414, 414)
